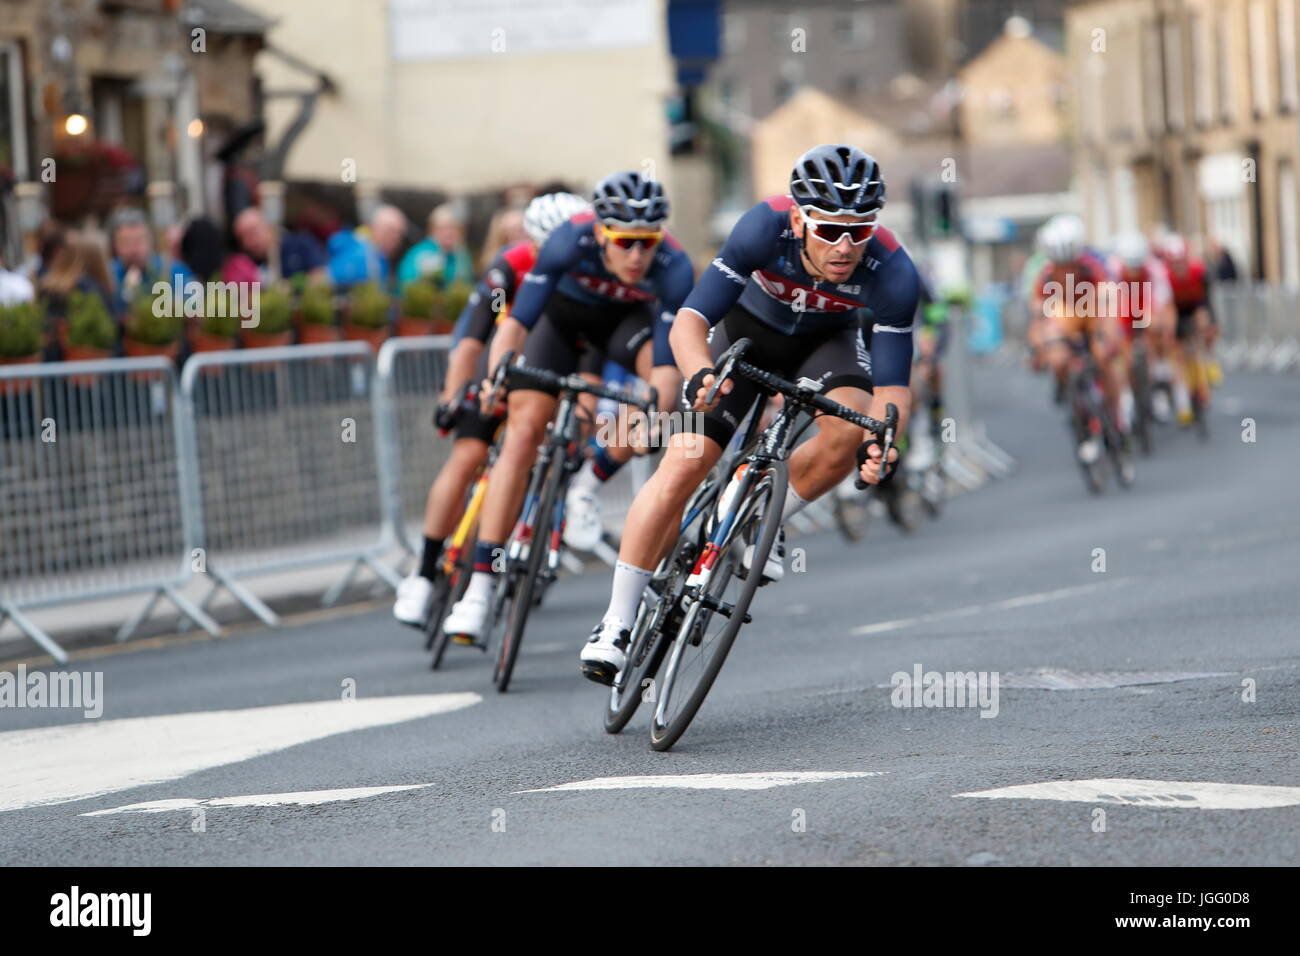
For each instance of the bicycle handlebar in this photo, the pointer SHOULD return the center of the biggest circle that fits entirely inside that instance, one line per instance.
(885, 431)
(573, 383)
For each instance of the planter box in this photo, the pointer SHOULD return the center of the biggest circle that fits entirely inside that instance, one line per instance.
(409, 326)
(83, 353)
(361, 333)
(18, 386)
(252, 339)
(309, 333)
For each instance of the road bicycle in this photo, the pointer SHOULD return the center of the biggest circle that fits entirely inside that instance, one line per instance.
(699, 596)
(1096, 436)
(531, 556)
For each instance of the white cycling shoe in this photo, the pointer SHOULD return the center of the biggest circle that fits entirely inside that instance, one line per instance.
(466, 619)
(582, 525)
(414, 596)
(774, 566)
(603, 656)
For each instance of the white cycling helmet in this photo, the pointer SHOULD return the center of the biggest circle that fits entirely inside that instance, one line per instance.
(1131, 249)
(1064, 238)
(547, 212)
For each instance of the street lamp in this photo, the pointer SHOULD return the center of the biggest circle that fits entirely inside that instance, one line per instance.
(76, 124)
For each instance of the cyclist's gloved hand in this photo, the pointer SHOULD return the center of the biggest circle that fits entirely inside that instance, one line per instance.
(697, 387)
(444, 417)
(868, 456)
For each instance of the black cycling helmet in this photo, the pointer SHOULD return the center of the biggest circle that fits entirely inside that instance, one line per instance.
(628, 199)
(838, 180)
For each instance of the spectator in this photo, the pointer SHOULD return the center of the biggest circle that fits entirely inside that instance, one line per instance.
(442, 255)
(77, 263)
(300, 253)
(1225, 269)
(134, 265)
(366, 254)
(506, 228)
(14, 287)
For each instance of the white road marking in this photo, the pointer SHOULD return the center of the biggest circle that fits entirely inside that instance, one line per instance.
(1151, 793)
(92, 758)
(1024, 600)
(304, 798)
(711, 781)
(1051, 678)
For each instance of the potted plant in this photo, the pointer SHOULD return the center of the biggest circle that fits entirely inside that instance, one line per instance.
(218, 330)
(152, 329)
(421, 305)
(274, 319)
(316, 314)
(454, 299)
(22, 336)
(91, 332)
(367, 316)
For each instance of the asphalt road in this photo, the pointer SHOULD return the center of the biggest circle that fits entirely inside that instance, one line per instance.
(1202, 577)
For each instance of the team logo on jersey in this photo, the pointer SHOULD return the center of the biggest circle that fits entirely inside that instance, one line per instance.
(609, 289)
(802, 298)
(849, 289)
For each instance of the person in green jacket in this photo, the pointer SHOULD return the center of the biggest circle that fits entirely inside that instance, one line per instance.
(442, 255)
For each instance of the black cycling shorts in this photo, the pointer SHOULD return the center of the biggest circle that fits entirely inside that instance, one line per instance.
(572, 336)
(1186, 327)
(471, 422)
(838, 358)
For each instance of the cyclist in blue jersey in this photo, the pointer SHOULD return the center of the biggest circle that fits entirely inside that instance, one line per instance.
(605, 285)
(791, 277)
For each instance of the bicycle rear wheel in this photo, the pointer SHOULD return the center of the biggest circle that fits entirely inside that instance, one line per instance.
(526, 579)
(697, 652)
(1142, 400)
(448, 593)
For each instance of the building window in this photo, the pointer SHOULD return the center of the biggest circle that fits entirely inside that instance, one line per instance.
(854, 30)
(1259, 56)
(1222, 39)
(783, 27)
(1286, 62)
(1174, 75)
(1288, 225)
(1151, 79)
(1124, 192)
(1202, 74)
(733, 34)
(13, 129)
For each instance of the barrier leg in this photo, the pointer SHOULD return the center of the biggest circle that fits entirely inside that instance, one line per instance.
(140, 616)
(193, 613)
(25, 625)
(185, 621)
(383, 572)
(246, 598)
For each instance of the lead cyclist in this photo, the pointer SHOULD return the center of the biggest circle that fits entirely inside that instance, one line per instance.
(790, 277)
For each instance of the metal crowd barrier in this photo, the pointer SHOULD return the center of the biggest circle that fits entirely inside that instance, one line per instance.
(94, 496)
(1259, 325)
(410, 374)
(286, 449)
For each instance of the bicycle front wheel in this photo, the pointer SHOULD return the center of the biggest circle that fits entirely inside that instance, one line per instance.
(717, 612)
(526, 580)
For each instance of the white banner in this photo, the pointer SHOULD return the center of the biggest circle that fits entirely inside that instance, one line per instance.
(448, 29)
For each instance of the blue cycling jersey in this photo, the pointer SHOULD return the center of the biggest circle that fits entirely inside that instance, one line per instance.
(761, 268)
(572, 264)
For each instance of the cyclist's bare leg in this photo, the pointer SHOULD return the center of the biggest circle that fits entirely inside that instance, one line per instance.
(827, 458)
(529, 411)
(442, 510)
(656, 513)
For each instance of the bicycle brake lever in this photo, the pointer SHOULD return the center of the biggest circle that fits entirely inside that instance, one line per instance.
(885, 437)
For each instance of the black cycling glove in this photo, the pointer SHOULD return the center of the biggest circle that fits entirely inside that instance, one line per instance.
(862, 456)
(444, 417)
(691, 388)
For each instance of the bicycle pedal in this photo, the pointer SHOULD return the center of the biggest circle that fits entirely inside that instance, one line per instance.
(463, 639)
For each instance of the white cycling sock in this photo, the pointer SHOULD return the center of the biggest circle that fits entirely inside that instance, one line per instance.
(629, 584)
(480, 587)
(585, 481)
(793, 504)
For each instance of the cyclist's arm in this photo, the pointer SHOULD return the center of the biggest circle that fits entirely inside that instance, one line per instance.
(560, 253)
(894, 308)
(751, 242)
(460, 368)
(474, 327)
